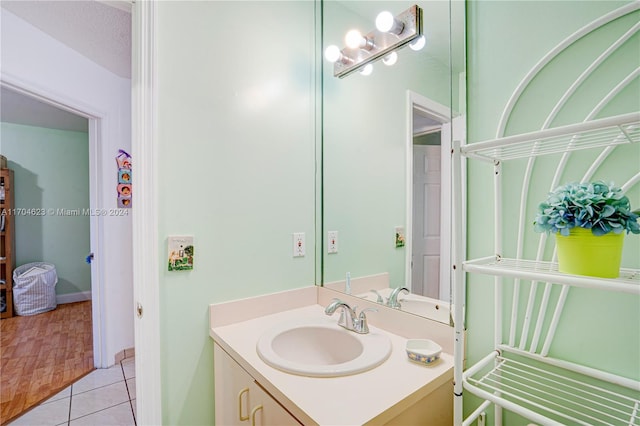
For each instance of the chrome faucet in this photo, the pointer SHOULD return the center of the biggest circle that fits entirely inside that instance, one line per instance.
(348, 318)
(393, 297)
(379, 298)
(347, 315)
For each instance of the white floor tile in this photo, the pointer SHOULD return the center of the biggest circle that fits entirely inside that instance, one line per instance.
(65, 393)
(98, 399)
(98, 378)
(131, 386)
(119, 415)
(129, 367)
(133, 407)
(52, 413)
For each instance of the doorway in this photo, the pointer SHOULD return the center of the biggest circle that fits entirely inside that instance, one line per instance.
(428, 197)
(48, 150)
(94, 290)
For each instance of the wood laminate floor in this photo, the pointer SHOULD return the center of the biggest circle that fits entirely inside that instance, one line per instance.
(42, 354)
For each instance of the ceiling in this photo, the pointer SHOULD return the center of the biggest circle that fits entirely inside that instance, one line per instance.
(98, 30)
(20, 109)
(423, 123)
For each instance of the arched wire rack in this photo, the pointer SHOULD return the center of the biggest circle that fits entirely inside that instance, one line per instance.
(520, 375)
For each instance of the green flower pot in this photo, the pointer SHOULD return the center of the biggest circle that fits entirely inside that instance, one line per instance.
(582, 253)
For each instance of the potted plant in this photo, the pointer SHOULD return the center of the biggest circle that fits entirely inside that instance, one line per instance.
(589, 221)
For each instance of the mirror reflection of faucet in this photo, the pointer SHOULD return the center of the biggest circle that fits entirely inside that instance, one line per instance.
(410, 302)
(393, 300)
(379, 298)
(393, 297)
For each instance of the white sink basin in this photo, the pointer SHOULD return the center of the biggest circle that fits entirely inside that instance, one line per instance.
(322, 349)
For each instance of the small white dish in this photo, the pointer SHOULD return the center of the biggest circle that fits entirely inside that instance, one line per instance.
(423, 351)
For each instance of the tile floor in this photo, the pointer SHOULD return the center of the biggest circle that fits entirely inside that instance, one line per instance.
(104, 397)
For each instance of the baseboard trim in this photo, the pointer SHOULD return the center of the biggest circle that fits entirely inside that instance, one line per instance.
(80, 296)
(124, 354)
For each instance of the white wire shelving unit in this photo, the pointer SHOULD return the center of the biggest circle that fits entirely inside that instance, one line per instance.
(604, 132)
(541, 271)
(521, 376)
(550, 397)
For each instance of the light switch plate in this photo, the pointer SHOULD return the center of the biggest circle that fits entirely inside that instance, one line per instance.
(298, 244)
(332, 242)
(180, 251)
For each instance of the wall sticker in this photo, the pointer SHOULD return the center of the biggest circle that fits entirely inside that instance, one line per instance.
(123, 159)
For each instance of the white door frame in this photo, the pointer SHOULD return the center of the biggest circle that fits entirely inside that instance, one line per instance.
(146, 248)
(441, 114)
(94, 116)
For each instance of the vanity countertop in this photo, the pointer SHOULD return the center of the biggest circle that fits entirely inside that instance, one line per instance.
(374, 396)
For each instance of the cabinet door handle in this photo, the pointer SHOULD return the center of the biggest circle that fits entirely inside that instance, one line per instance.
(253, 414)
(240, 416)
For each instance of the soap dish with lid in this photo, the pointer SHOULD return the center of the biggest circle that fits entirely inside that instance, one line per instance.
(423, 351)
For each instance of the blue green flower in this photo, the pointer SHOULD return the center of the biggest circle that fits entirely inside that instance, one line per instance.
(597, 206)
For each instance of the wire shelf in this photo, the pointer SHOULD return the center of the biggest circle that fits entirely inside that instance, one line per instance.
(552, 397)
(627, 282)
(611, 131)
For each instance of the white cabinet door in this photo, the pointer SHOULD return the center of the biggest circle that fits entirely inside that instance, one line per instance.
(239, 400)
(232, 393)
(267, 411)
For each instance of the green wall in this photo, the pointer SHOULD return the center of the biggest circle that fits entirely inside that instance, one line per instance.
(505, 40)
(236, 155)
(237, 165)
(51, 172)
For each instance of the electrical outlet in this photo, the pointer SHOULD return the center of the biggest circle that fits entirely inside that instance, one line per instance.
(332, 242)
(298, 244)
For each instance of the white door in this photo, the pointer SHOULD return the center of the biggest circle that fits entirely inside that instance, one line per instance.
(427, 173)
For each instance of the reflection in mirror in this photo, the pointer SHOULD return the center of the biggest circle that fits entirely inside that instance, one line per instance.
(386, 160)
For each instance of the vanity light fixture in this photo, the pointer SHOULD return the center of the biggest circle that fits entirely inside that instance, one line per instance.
(391, 33)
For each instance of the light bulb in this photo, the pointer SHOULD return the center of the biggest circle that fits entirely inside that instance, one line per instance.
(367, 69)
(354, 39)
(332, 53)
(384, 21)
(418, 43)
(387, 23)
(390, 59)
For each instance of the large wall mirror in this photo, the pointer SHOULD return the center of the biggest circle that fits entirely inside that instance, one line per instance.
(386, 141)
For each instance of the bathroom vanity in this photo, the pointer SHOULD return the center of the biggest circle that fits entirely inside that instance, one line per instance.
(397, 391)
